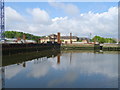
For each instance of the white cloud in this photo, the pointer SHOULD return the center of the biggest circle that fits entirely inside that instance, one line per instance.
(39, 16)
(59, 19)
(41, 72)
(12, 15)
(14, 20)
(76, 65)
(70, 9)
(96, 64)
(103, 24)
(71, 69)
(69, 77)
(12, 71)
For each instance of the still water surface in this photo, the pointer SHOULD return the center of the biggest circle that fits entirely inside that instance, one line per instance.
(67, 69)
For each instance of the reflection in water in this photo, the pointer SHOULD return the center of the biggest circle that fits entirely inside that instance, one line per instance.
(2, 77)
(78, 69)
(23, 57)
(24, 64)
(70, 57)
(40, 69)
(58, 59)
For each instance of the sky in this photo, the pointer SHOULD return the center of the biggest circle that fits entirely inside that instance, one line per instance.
(80, 18)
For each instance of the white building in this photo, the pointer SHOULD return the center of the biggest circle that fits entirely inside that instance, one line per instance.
(14, 40)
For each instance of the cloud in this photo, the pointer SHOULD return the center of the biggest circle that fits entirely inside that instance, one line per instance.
(104, 24)
(43, 66)
(14, 20)
(12, 15)
(80, 65)
(39, 16)
(12, 71)
(69, 77)
(96, 64)
(70, 9)
(71, 70)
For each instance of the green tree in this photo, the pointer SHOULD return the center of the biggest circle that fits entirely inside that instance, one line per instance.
(15, 34)
(103, 40)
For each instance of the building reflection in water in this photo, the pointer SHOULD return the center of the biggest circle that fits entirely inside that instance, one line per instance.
(71, 65)
(98, 51)
(22, 60)
(70, 57)
(24, 64)
(58, 59)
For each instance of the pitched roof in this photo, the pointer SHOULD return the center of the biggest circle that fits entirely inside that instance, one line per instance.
(68, 37)
(62, 37)
(52, 35)
(84, 38)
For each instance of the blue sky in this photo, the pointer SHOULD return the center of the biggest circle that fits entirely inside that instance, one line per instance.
(80, 18)
(84, 7)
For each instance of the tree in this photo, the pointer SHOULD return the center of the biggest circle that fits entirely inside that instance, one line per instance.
(14, 34)
(103, 40)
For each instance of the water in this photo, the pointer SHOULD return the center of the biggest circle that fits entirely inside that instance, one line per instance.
(65, 69)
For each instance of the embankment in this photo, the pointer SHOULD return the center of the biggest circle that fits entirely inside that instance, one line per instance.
(8, 49)
(104, 47)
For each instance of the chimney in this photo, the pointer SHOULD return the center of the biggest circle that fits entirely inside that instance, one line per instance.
(70, 38)
(58, 37)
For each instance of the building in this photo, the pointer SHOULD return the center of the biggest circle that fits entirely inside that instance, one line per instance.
(66, 39)
(63, 39)
(52, 37)
(84, 40)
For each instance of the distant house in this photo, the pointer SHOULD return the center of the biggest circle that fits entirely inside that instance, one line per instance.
(44, 39)
(66, 39)
(53, 38)
(84, 40)
(30, 41)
